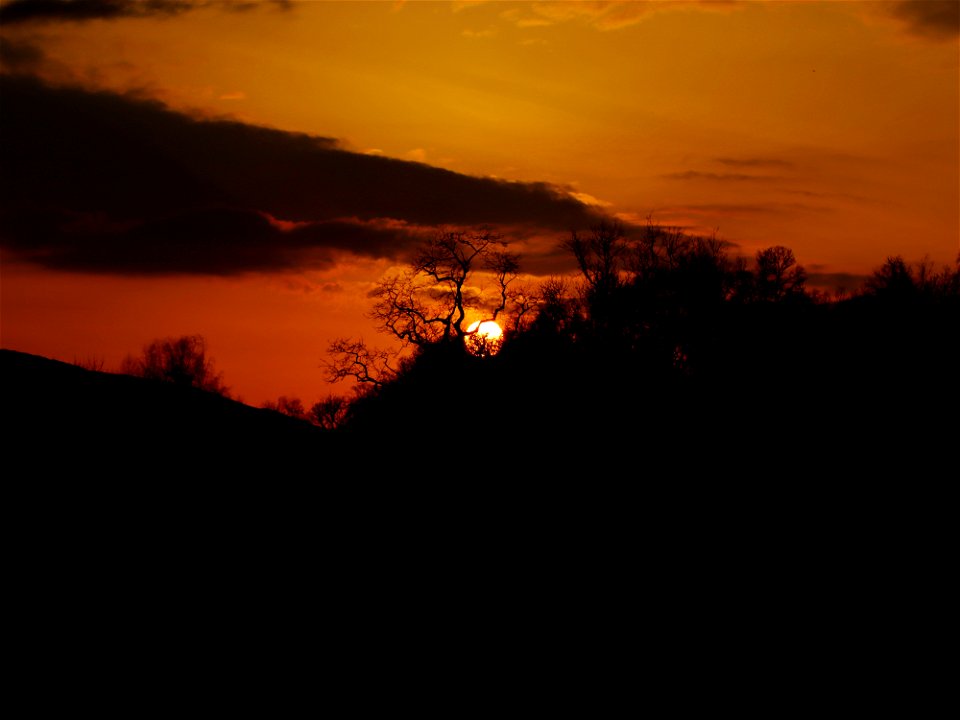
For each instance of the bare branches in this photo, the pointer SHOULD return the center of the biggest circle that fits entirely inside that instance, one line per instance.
(778, 274)
(900, 280)
(352, 358)
(330, 412)
(549, 305)
(429, 302)
(182, 361)
(600, 255)
(505, 266)
(523, 306)
(402, 309)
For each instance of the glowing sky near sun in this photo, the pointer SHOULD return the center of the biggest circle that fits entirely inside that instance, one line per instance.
(830, 127)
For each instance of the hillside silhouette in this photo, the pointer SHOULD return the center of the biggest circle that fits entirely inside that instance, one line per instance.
(58, 415)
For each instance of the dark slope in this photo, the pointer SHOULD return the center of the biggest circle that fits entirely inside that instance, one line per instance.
(56, 415)
(150, 520)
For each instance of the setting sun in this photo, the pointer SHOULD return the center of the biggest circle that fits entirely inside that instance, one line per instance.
(485, 338)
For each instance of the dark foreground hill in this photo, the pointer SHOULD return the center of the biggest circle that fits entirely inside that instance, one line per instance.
(180, 513)
(57, 416)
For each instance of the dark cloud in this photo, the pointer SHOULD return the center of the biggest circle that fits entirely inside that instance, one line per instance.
(720, 177)
(34, 11)
(20, 56)
(936, 19)
(21, 11)
(95, 180)
(214, 242)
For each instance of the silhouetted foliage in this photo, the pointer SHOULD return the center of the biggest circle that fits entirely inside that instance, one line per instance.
(94, 363)
(648, 297)
(779, 277)
(893, 279)
(600, 257)
(483, 344)
(330, 412)
(181, 361)
(368, 366)
(670, 350)
(901, 282)
(556, 311)
(290, 406)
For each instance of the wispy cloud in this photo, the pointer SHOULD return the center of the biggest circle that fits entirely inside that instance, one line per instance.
(754, 162)
(458, 5)
(739, 209)
(485, 33)
(719, 177)
(605, 14)
(588, 199)
(821, 195)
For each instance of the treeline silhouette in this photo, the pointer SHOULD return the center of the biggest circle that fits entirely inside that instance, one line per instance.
(668, 343)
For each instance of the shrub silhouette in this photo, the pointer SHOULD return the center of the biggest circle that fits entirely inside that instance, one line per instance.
(181, 361)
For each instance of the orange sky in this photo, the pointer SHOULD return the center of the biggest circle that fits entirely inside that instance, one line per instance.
(833, 128)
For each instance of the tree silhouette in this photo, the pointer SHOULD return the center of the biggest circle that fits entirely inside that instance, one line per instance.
(778, 275)
(427, 304)
(181, 361)
(667, 343)
(330, 412)
(600, 256)
(368, 366)
(556, 310)
(650, 294)
(902, 283)
(894, 276)
(290, 406)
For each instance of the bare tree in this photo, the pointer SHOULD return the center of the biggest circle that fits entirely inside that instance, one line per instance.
(900, 280)
(330, 412)
(556, 309)
(292, 406)
(524, 302)
(94, 363)
(368, 366)
(429, 302)
(181, 361)
(778, 274)
(600, 256)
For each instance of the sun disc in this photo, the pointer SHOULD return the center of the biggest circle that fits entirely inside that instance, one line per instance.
(487, 328)
(484, 338)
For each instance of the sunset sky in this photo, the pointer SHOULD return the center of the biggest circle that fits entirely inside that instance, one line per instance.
(246, 171)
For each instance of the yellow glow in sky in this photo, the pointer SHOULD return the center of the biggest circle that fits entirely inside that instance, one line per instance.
(833, 128)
